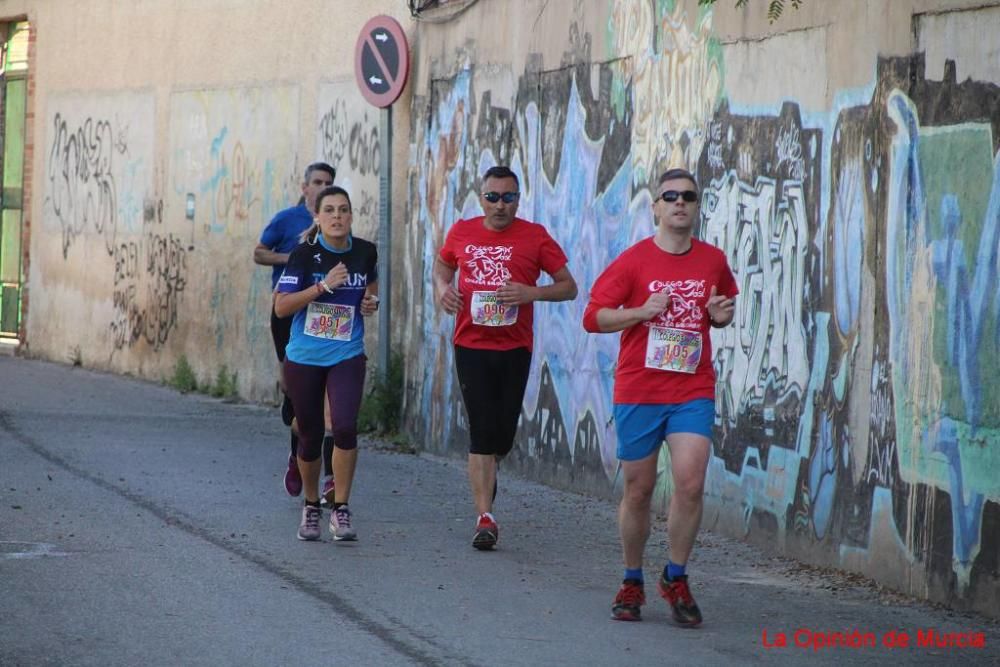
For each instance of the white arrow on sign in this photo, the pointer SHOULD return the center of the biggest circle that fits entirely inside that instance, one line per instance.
(382, 37)
(375, 81)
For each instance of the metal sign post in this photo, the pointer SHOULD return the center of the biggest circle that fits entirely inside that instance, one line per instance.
(384, 244)
(381, 67)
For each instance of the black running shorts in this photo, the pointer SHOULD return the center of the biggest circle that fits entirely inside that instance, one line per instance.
(493, 384)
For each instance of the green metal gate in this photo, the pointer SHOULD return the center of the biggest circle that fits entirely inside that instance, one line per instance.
(13, 102)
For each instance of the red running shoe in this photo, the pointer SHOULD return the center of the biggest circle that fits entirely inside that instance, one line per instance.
(630, 598)
(677, 593)
(487, 533)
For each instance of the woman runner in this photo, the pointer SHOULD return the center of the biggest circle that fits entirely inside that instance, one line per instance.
(329, 283)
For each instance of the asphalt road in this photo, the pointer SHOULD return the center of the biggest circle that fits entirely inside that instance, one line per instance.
(139, 526)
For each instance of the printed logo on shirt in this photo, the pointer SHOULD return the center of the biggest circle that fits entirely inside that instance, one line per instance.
(318, 258)
(487, 265)
(684, 310)
(354, 280)
(288, 280)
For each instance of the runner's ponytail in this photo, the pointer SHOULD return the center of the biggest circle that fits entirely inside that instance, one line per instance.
(310, 234)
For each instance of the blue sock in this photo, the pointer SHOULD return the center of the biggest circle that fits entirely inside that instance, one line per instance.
(673, 570)
(634, 574)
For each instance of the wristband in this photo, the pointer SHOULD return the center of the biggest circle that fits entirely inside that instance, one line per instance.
(326, 287)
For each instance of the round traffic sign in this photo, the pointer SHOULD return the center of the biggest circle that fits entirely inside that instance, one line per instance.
(382, 60)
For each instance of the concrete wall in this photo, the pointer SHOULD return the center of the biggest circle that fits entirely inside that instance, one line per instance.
(142, 109)
(849, 159)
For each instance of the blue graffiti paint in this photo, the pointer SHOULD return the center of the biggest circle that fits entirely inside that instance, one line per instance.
(823, 476)
(849, 239)
(436, 400)
(130, 210)
(968, 296)
(218, 141)
(906, 197)
(583, 221)
(965, 516)
(217, 303)
(966, 306)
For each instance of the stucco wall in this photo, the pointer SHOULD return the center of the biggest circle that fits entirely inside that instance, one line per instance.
(848, 156)
(144, 108)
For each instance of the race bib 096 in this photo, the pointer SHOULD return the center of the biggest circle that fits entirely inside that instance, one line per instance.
(487, 312)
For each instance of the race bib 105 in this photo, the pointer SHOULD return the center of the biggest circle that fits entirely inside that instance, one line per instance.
(677, 350)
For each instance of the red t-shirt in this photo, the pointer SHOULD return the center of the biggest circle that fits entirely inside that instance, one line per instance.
(669, 358)
(485, 260)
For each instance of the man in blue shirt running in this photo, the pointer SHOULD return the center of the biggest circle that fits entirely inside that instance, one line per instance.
(277, 241)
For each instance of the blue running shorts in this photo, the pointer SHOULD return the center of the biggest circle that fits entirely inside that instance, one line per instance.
(642, 427)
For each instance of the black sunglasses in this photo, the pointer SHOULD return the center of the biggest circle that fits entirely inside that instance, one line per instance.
(686, 195)
(507, 197)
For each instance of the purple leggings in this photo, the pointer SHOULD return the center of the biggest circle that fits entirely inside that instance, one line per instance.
(343, 383)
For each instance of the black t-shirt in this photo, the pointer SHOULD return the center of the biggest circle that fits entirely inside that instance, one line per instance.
(330, 329)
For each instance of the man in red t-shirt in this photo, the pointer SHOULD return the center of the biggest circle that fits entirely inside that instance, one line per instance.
(498, 258)
(663, 293)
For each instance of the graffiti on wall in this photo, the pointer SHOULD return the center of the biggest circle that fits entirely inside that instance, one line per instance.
(234, 163)
(234, 151)
(98, 175)
(130, 231)
(577, 161)
(150, 275)
(676, 79)
(854, 411)
(347, 138)
(762, 222)
(941, 263)
(886, 337)
(99, 194)
(81, 189)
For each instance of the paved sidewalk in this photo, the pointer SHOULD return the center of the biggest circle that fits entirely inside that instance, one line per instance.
(142, 526)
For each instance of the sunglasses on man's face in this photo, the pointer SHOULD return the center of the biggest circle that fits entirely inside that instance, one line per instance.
(494, 197)
(672, 195)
